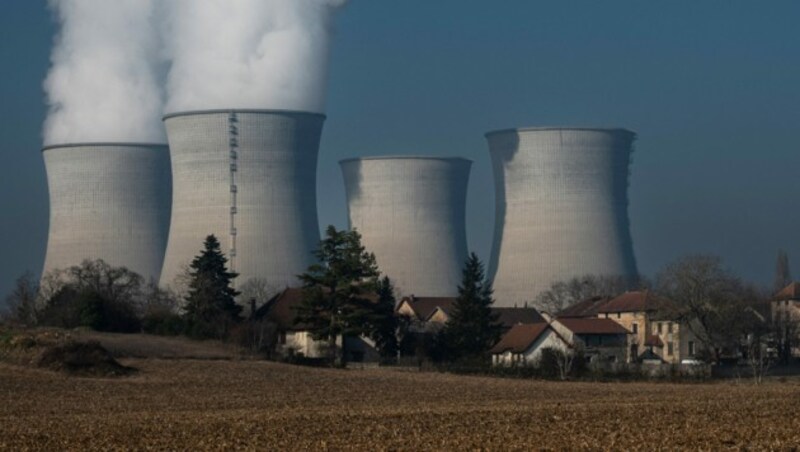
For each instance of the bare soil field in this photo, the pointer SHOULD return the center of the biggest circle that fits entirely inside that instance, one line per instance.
(246, 404)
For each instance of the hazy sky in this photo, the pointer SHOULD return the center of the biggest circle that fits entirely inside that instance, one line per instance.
(711, 87)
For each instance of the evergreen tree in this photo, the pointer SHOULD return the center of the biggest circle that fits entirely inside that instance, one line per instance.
(336, 289)
(472, 328)
(211, 302)
(383, 322)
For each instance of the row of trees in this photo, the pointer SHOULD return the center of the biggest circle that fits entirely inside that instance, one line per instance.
(97, 295)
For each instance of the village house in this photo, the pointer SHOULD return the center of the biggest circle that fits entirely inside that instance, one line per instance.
(429, 314)
(296, 340)
(785, 305)
(655, 332)
(785, 314)
(598, 340)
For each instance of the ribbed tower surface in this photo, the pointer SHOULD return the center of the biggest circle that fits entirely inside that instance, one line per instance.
(561, 208)
(410, 212)
(108, 201)
(248, 177)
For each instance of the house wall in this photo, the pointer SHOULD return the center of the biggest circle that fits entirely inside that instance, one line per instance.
(681, 337)
(439, 317)
(628, 320)
(608, 348)
(531, 356)
(301, 342)
(405, 309)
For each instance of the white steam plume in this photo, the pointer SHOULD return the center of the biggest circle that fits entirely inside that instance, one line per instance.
(249, 53)
(104, 84)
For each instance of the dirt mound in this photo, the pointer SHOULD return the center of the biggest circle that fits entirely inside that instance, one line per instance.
(82, 358)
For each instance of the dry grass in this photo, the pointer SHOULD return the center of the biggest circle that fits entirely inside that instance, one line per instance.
(193, 404)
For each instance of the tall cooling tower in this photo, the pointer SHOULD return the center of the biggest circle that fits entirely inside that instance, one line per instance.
(108, 201)
(410, 213)
(561, 208)
(248, 177)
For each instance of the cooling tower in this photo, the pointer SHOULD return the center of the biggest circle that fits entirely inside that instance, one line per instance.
(108, 201)
(248, 177)
(410, 213)
(561, 208)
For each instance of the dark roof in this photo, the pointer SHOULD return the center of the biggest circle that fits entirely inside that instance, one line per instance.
(585, 308)
(636, 301)
(593, 326)
(509, 317)
(649, 355)
(281, 309)
(790, 292)
(519, 338)
(423, 307)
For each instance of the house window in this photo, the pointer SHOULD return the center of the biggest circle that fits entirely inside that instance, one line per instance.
(659, 328)
(691, 348)
(669, 327)
(635, 328)
(669, 348)
(282, 338)
(619, 315)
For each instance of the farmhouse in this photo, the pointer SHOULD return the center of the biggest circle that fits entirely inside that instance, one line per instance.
(295, 339)
(599, 340)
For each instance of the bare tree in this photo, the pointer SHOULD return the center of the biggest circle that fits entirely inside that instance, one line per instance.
(21, 302)
(712, 302)
(115, 284)
(783, 276)
(257, 289)
(564, 294)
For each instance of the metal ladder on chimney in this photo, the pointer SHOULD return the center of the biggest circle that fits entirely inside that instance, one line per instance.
(233, 148)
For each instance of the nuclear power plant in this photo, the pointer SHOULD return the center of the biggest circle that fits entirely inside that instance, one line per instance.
(561, 208)
(248, 177)
(410, 212)
(108, 201)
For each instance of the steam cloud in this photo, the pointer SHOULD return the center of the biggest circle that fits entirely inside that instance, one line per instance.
(103, 84)
(249, 54)
(107, 81)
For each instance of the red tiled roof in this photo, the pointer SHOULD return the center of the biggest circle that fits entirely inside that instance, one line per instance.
(636, 301)
(593, 326)
(519, 338)
(653, 340)
(585, 308)
(509, 317)
(790, 292)
(423, 307)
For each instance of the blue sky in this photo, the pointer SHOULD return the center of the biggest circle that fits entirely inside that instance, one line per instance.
(711, 87)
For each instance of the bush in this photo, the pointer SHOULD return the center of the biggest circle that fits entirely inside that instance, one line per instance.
(82, 358)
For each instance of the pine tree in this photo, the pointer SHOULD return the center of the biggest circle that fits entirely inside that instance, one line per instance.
(211, 303)
(472, 328)
(383, 321)
(335, 299)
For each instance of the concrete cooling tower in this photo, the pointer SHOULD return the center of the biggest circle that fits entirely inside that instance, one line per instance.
(108, 201)
(410, 212)
(248, 177)
(561, 208)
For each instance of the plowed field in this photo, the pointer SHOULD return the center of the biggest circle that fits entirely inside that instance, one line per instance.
(194, 404)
